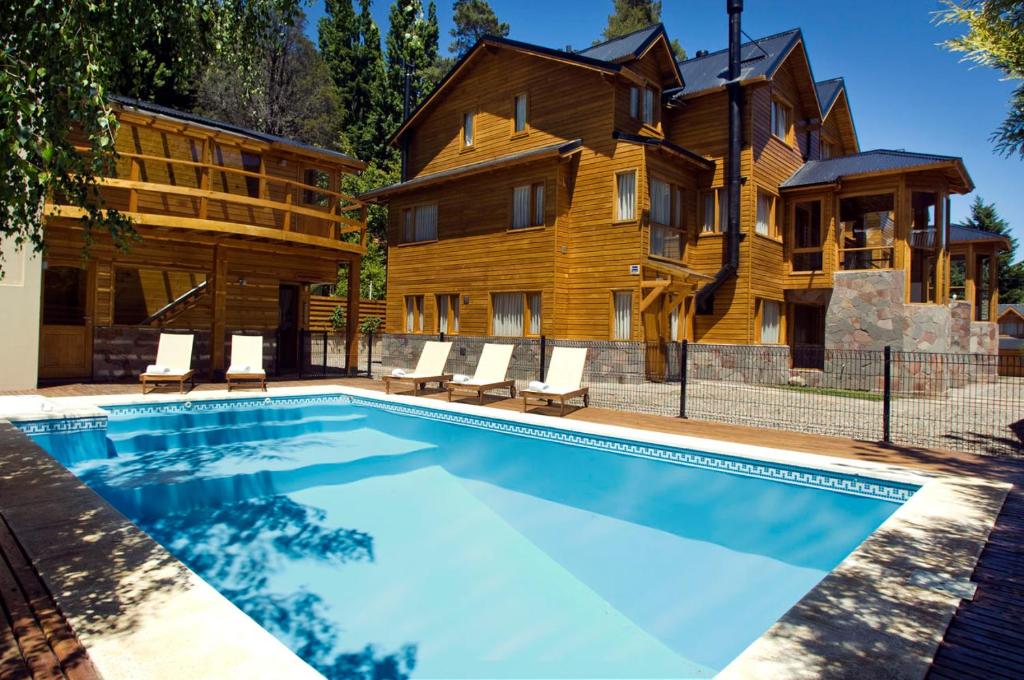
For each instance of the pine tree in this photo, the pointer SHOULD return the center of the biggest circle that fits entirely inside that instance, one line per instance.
(473, 20)
(338, 32)
(632, 15)
(412, 40)
(985, 217)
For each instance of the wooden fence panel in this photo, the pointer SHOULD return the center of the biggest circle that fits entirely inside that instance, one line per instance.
(322, 306)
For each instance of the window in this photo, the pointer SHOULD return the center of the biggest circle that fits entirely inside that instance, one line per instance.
(634, 102)
(420, 223)
(827, 150)
(782, 122)
(448, 314)
(528, 206)
(515, 314)
(867, 231)
(315, 178)
(674, 328)
(723, 208)
(771, 317)
(807, 236)
(708, 212)
(925, 245)
(648, 106)
(64, 296)
(622, 322)
(765, 214)
(626, 189)
(666, 219)
(413, 313)
(519, 115)
(467, 129)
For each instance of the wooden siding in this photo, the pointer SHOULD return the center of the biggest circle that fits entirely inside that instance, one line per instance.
(322, 306)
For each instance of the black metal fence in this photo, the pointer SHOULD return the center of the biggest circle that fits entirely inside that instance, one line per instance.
(323, 354)
(966, 402)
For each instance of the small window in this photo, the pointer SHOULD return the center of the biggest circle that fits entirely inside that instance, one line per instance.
(448, 314)
(634, 102)
(515, 314)
(723, 209)
(538, 204)
(708, 212)
(648, 106)
(771, 317)
(765, 224)
(533, 303)
(420, 223)
(626, 189)
(782, 122)
(467, 129)
(413, 313)
(827, 150)
(666, 219)
(519, 118)
(807, 255)
(528, 205)
(622, 325)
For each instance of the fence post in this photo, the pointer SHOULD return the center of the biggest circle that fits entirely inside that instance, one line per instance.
(441, 336)
(543, 349)
(369, 355)
(887, 395)
(683, 353)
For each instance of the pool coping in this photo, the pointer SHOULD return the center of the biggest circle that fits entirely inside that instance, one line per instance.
(881, 612)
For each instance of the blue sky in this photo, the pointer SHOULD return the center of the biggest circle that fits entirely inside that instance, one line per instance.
(906, 92)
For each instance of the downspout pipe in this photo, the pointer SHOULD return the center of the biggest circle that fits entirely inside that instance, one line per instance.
(705, 296)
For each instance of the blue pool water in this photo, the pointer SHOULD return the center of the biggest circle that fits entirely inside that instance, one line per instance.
(383, 544)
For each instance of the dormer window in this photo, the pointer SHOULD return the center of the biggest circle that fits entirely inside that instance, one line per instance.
(467, 129)
(782, 121)
(648, 117)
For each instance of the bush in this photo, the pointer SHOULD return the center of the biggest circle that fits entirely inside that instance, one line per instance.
(338, 319)
(371, 324)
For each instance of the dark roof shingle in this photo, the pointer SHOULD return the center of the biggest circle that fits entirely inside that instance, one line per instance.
(828, 91)
(962, 233)
(627, 46)
(760, 58)
(833, 169)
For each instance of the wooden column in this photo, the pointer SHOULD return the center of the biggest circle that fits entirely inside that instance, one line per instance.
(970, 282)
(993, 284)
(218, 286)
(352, 317)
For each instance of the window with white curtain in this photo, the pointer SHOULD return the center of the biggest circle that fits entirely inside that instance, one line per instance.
(467, 129)
(771, 314)
(448, 313)
(634, 102)
(520, 113)
(623, 319)
(413, 313)
(661, 202)
(538, 204)
(648, 106)
(626, 183)
(708, 218)
(420, 223)
(533, 303)
(521, 206)
(780, 120)
(507, 314)
(765, 203)
(673, 324)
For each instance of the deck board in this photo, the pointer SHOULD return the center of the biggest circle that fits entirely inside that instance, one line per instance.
(983, 640)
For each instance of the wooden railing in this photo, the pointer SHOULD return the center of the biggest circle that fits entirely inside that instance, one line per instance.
(337, 215)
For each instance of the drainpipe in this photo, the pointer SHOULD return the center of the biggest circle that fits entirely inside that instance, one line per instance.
(705, 296)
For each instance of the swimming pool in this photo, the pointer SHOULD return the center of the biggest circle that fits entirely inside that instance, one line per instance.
(377, 537)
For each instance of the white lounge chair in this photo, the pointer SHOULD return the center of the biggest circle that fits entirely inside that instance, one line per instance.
(563, 381)
(173, 362)
(246, 362)
(490, 374)
(430, 368)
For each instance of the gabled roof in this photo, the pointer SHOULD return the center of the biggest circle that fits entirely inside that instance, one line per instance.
(625, 47)
(561, 149)
(871, 162)
(674, 149)
(828, 93)
(959, 233)
(759, 60)
(573, 58)
(274, 140)
(1017, 309)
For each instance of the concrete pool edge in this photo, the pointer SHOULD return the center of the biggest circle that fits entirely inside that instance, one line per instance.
(885, 607)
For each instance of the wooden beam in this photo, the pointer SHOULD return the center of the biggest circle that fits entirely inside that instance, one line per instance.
(219, 309)
(352, 318)
(651, 298)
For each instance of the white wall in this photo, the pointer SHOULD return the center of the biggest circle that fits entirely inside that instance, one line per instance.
(20, 300)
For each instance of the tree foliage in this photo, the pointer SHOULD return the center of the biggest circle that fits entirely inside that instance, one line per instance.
(412, 41)
(473, 20)
(632, 15)
(984, 216)
(994, 38)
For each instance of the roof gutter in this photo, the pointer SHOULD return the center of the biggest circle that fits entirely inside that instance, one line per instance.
(706, 295)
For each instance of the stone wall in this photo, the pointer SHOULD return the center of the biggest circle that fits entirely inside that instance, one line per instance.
(984, 337)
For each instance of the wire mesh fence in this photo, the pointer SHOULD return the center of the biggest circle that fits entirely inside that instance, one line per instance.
(966, 402)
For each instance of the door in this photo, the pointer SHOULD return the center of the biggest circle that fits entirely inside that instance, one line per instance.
(654, 337)
(808, 348)
(288, 328)
(66, 332)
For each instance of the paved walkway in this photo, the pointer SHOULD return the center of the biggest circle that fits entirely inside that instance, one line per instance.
(984, 639)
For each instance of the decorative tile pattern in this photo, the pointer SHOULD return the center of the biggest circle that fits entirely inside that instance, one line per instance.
(790, 474)
(62, 425)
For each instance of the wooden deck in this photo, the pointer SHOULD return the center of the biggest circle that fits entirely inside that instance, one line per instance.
(984, 639)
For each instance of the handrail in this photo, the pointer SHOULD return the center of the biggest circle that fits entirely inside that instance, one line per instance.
(356, 203)
(187, 295)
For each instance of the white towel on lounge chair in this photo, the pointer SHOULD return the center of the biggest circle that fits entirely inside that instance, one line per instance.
(157, 369)
(399, 373)
(565, 371)
(432, 360)
(460, 378)
(538, 386)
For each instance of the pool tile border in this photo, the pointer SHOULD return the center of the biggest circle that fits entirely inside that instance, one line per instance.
(863, 486)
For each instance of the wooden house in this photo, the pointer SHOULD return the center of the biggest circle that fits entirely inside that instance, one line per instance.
(583, 195)
(233, 226)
